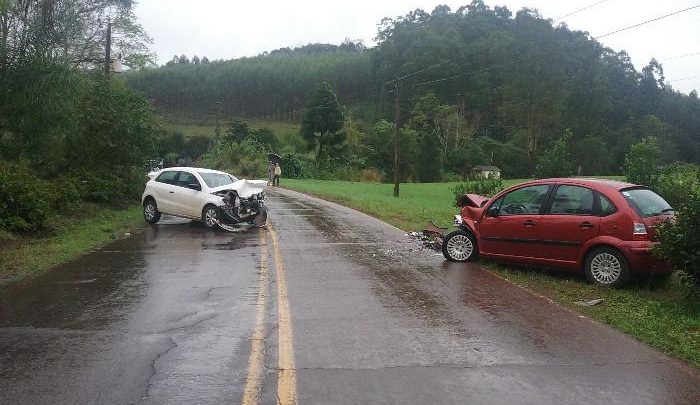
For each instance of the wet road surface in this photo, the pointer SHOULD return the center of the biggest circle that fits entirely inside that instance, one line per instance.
(327, 306)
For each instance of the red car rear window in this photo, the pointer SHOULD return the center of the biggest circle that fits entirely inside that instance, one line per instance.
(646, 202)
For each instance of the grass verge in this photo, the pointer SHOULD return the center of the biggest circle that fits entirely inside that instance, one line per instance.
(418, 203)
(96, 226)
(666, 316)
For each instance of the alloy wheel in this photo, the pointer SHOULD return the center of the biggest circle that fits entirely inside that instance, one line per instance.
(210, 217)
(150, 211)
(606, 268)
(460, 247)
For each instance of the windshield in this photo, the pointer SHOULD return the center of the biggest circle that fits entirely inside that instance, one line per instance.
(217, 179)
(646, 202)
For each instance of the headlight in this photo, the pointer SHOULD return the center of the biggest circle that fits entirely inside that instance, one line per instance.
(458, 220)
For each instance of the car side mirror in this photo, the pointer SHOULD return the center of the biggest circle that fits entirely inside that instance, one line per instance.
(493, 211)
(195, 186)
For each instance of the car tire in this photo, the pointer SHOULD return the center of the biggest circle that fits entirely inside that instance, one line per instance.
(607, 266)
(150, 211)
(459, 246)
(209, 215)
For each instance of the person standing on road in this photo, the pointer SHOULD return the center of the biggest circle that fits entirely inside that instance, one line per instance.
(270, 172)
(278, 173)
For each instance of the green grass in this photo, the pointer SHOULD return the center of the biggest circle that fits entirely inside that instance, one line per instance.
(417, 204)
(665, 316)
(21, 257)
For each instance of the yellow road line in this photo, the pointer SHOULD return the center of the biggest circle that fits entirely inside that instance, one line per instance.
(253, 382)
(286, 375)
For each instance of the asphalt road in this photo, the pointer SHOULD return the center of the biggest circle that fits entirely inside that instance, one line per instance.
(326, 306)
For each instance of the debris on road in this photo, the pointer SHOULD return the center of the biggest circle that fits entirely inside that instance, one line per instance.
(431, 238)
(590, 303)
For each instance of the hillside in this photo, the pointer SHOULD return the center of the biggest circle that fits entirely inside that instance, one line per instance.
(478, 85)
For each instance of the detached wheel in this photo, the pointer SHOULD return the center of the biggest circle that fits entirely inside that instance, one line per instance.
(210, 214)
(150, 211)
(459, 246)
(607, 266)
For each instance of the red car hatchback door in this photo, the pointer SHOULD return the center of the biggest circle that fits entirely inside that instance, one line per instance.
(568, 223)
(510, 224)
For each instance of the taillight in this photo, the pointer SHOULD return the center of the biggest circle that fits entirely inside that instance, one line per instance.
(639, 232)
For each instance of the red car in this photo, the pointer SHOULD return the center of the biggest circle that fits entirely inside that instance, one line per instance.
(604, 228)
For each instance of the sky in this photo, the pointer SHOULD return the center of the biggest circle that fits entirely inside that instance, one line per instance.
(226, 29)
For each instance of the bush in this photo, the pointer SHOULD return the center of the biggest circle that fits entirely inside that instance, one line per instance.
(296, 167)
(113, 187)
(23, 199)
(679, 242)
(641, 162)
(485, 187)
(676, 182)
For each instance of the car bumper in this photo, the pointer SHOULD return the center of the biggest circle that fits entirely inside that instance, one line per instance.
(641, 259)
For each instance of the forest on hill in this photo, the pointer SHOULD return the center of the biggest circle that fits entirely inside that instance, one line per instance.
(477, 85)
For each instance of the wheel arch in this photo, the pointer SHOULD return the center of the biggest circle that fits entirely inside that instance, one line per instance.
(592, 247)
(147, 198)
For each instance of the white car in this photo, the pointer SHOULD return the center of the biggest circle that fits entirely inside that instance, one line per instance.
(193, 193)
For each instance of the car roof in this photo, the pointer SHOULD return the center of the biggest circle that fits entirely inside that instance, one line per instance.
(587, 181)
(194, 169)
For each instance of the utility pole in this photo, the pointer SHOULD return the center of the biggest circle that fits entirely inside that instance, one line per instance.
(108, 48)
(217, 127)
(397, 111)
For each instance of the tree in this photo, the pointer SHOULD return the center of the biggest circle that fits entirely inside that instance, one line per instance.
(555, 161)
(237, 131)
(265, 136)
(641, 163)
(71, 32)
(322, 120)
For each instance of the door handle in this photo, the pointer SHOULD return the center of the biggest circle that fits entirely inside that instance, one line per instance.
(584, 225)
(171, 192)
(529, 222)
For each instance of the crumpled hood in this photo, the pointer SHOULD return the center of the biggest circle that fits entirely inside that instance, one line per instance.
(245, 188)
(472, 200)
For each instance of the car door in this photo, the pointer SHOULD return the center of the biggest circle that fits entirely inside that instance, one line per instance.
(569, 221)
(509, 226)
(187, 195)
(164, 190)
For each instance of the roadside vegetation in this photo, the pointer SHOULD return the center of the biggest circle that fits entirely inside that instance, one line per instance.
(69, 237)
(73, 138)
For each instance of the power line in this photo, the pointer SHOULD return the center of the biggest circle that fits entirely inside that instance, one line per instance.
(418, 72)
(579, 10)
(681, 56)
(649, 21)
(684, 79)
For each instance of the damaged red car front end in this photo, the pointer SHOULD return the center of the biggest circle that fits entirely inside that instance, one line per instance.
(471, 208)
